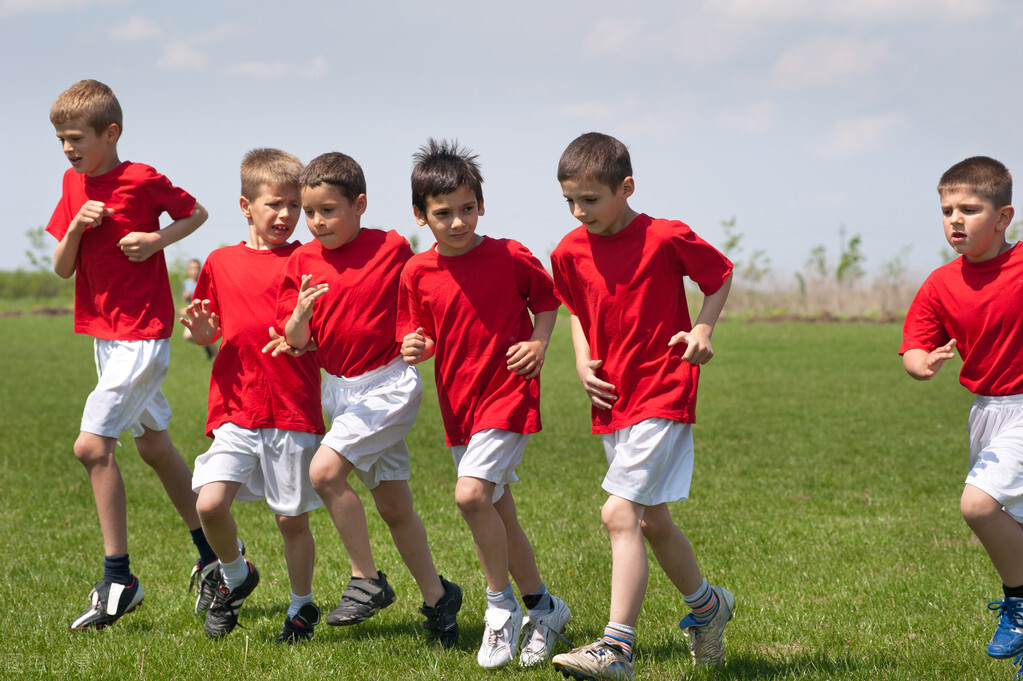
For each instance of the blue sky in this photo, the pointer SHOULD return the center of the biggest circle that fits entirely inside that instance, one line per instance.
(800, 118)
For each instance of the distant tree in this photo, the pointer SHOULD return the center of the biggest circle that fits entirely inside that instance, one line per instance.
(850, 263)
(414, 243)
(39, 255)
(752, 270)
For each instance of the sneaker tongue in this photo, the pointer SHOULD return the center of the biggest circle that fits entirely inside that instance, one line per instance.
(495, 618)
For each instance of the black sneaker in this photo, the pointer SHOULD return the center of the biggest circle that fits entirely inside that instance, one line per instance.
(362, 599)
(109, 601)
(300, 627)
(222, 617)
(441, 625)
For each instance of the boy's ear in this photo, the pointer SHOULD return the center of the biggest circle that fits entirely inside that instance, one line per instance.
(420, 218)
(112, 133)
(244, 203)
(359, 204)
(1005, 217)
(628, 187)
(479, 207)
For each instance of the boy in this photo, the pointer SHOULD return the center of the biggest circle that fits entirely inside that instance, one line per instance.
(972, 304)
(264, 413)
(107, 226)
(467, 300)
(371, 397)
(638, 357)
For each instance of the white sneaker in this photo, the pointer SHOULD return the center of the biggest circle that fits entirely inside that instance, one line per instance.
(539, 635)
(705, 644)
(501, 630)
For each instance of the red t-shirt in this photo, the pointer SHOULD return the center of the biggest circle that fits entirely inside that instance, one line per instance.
(627, 291)
(247, 387)
(475, 306)
(117, 299)
(978, 304)
(353, 323)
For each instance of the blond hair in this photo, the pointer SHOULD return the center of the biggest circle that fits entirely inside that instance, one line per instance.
(91, 100)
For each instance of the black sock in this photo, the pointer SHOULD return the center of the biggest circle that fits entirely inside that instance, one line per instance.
(117, 569)
(1013, 591)
(206, 553)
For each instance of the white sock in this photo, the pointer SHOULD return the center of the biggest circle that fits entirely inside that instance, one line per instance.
(297, 602)
(234, 572)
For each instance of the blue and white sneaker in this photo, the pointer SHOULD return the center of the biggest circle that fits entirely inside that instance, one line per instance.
(1008, 638)
(705, 639)
(109, 602)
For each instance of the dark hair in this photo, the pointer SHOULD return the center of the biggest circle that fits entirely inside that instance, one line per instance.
(338, 170)
(982, 175)
(595, 156)
(441, 168)
(268, 168)
(91, 100)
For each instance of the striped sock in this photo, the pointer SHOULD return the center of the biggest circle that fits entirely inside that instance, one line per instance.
(620, 636)
(704, 603)
(502, 600)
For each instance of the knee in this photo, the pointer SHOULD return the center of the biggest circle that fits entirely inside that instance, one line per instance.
(472, 496)
(91, 450)
(211, 507)
(393, 510)
(322, 474)
(617, 518)
(293, 526)
(977, 507)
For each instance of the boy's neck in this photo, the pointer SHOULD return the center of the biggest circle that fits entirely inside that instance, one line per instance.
(106, 167)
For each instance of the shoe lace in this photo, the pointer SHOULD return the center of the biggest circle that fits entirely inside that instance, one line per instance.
(1009, 613)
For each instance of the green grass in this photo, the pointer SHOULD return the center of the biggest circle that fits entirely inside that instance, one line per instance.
(825, 497)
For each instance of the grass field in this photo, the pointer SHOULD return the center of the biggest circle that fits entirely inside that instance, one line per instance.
(825, 497)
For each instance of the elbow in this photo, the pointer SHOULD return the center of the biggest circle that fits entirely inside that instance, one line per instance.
(199, 214)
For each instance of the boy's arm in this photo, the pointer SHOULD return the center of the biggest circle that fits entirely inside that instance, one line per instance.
(200, 319)
(699, 350)
(139, 246)
(525, 358)
(65, 256)
(923, 365)
(416, 347)
(602, 394)
(297, 331)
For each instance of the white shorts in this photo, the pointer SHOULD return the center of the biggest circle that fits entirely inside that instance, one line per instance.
(128, 395)
(651, 462)
(370, 415)
(270, 463)
(996, 450)
(491, 455)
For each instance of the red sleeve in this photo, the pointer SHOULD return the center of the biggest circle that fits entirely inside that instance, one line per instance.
(534, 283)
(410, 315)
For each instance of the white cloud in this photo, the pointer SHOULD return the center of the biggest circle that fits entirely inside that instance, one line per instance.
(757, 117)
(858, 136)
(825, 60)
(612, 37)
(314, 69)
(180, 56)
(134, 29)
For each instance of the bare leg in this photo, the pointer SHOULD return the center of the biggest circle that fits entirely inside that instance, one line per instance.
(629, 567)
(1001, 536)
(393, 500)
(299, 552)
(672, 549)
(473, 497)
(328, 472)
(214, 508)
(158, 451)
(521, 559)
(97, 455)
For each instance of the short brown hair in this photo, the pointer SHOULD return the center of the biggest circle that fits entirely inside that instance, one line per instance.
(338, 170)
(981, 175)
(596, 156)
(91, 100)
(441, 167)
(269, 168)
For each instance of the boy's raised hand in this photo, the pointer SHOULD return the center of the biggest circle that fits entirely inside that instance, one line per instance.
(416, 347)
(698, 348)
(307, 295)
(139, 246)
(200, 319)
(601, 393)
(90, 215)
(525, 358)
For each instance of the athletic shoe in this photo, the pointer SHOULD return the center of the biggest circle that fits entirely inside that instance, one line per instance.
(363, 598)
(108, 602)
(222, 617)
(501, 630)
(300, 627)
(1008, 638)
(204, 580)
(598, 660)
(539, 635)
(705, 644)
(441, 625)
